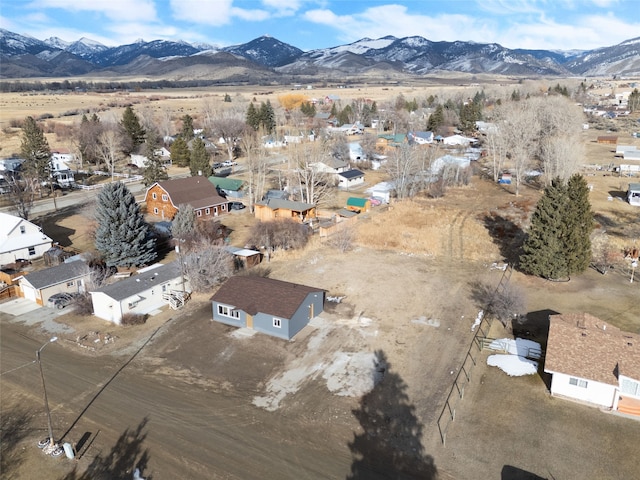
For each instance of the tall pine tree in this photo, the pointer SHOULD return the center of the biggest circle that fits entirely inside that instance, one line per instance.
(134, 131)
(253, 117)
(122, 236)
(199, 164)
(579, 217)
(154, 170)
(35, 151)
(180, 154)
(557, 243)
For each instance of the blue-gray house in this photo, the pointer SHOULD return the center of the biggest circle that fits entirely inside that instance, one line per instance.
(274, 307)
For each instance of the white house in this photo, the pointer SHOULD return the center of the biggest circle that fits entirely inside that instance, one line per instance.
(139, 161)
(449, 162)
(150, 289)
(21, 239)
(621, 149)
(420, 138)
(458, 140)
(62, 161)
(594, 362)
(330, 165)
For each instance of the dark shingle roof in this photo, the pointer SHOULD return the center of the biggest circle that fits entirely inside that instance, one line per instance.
(584, 346)
(196, 191)
(58, 274)
(265, 295)
(349, 174)
(141, 282)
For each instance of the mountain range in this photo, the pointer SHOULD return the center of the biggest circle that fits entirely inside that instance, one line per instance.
(268, 59)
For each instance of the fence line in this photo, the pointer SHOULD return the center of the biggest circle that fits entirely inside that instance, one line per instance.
(463, 377)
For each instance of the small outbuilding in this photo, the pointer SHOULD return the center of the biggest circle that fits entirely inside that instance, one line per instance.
(277, 308)
(633, 194)
(358, 205)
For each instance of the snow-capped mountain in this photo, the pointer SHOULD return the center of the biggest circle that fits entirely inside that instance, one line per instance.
(266, 51)
(25, 56)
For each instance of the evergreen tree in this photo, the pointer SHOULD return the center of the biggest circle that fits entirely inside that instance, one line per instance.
(227, 98)
(267, 117)
(545, 247)
(122, 236)
(374, 108)
(133, 129)
(180, 154)
(253, 117)
(579, 218)
(187, 128)
(634, 100)
(334, 110)
(345, 115)
(199, 163)
(154, 170)
(35, 151)
(436, 119)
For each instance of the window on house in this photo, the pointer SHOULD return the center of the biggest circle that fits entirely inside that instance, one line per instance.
(578, 382)
(199, 213)
(165, 198)
(277, 323)
(23, 229)
(133, 304)
(155, 210)
(207, 211)
(223, 207)
(32, 250)
(70, 284)
(228, 311)
(154, 195)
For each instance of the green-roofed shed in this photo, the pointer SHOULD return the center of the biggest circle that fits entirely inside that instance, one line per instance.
(357, 204)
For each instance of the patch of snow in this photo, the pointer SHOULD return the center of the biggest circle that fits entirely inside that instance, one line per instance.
(287, 383)
(513, 365)
(353, 374)
(334, 299)
(477, 321)
(431, 322)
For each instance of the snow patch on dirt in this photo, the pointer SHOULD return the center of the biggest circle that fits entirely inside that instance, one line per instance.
(352, 374)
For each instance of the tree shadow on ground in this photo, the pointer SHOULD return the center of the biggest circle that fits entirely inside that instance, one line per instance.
(506, 234)
(390, 443)
(535, 326)
(514, 473)
(121, 461)
(13, 429)
(49, 223)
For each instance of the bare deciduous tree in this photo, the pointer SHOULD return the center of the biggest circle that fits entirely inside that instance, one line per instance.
(315, 186)
(206, 265)
(403, 167)
(109, 147)
(22, 193)
(256, 164)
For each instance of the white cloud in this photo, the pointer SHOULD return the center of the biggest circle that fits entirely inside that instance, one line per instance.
(511, 7)
(218, 13)
(142, 10)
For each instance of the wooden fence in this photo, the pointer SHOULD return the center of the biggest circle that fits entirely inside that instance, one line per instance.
(462, 379)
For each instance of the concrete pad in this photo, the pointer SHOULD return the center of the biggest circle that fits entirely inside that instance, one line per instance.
(18, 306)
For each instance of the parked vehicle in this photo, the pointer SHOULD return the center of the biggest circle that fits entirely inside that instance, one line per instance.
(61, 300)
(237, 206)
(229, 163)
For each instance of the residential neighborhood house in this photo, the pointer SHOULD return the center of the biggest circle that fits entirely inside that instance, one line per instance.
(275, 208)
(274, 307)
(594, 362)
(70, 277)
(350, 178)
(163, 198)
(228, 187)
(150, 289)
(21, 239)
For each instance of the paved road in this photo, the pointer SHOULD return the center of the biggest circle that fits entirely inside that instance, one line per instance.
(190, 432)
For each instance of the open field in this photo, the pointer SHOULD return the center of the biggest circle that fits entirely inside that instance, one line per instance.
(408, 301)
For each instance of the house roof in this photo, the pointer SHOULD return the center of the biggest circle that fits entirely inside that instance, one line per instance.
(196, 191)
(241, 252)
(278, 203)
(58, 274)
(225, 183)
(333, 162)
(349, 174)
(263, 295)
(584, 346)
(357, 202)
(141, 282)
(634, 187)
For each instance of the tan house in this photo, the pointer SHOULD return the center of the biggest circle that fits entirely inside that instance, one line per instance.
(163, 198)
(275, 209)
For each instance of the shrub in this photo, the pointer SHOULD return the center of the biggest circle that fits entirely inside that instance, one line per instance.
(129, 319)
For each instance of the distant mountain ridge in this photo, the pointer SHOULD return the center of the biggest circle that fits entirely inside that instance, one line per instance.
(26, 57)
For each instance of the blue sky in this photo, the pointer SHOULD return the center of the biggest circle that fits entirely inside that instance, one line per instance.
(311, 24)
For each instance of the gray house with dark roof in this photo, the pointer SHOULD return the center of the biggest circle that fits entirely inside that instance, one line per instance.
(69, 277)
(139, 294)
(274, 307)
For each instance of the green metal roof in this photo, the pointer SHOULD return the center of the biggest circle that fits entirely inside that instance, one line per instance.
(232, 184)
(356, 202)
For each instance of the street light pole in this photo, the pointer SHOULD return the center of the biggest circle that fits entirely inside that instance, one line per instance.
(44, 390)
